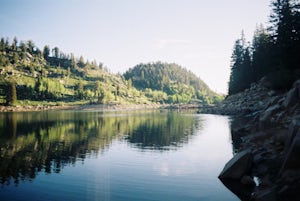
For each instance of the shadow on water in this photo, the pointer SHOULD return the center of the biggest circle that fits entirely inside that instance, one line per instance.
(35, 142)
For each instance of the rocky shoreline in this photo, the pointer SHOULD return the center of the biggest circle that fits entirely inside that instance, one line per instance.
(77, 107)
(266, 166)
(29, 108)
(32, 108)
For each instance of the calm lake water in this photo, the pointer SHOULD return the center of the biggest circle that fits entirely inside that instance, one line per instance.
(113, 156)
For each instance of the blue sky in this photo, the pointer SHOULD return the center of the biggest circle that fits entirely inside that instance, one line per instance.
(196, 34)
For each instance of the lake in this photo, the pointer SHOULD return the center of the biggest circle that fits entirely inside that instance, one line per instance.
(156, 155)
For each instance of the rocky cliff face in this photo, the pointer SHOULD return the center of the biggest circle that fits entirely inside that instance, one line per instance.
(271, 141)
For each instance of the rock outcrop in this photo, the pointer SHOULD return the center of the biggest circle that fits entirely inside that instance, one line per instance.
(238, 166)
(254, 99)
(271, 136)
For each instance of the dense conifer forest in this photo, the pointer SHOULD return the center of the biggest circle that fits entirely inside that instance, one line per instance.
(274, 52)
(169, 82)
(31, 76)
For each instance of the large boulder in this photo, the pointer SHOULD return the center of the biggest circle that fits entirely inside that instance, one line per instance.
(238, 166)
(265, 117)
(291, 98)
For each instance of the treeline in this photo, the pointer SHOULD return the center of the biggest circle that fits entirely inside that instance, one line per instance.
(169, 82)
(274, 52)
(30, 74)
(14, 52)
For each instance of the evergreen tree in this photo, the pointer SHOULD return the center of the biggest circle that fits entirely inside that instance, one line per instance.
(46, 52)
(15, 58)
(73, 62)
(55, 52)
(80, 90)
(261, 56)
(236, 65)
(2, 44)
(6, 45)
(81, 63)
(11, 94)
(23, 48)
(275, 53)
(247, 73)
(285, 34)
(30, 46)
(14, 44)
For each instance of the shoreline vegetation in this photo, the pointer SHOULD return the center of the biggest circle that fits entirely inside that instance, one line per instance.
(96, 107)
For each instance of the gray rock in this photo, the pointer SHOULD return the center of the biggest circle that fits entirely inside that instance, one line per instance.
(291, 98)
(271, 93)
(238, 166)
(265, 117)
(292, 131)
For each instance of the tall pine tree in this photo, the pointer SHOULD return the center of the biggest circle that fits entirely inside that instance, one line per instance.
(241, 69)
(11, 94)
(285, 34)
(261, 53)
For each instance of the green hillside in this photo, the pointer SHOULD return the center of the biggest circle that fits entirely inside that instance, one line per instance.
(171, 82)
(30, 76)
(54, 77)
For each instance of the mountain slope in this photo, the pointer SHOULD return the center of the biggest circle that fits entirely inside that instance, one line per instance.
(172, 79)
(29, 75)
(39, 77)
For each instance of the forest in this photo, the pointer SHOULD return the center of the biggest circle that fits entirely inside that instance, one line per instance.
(31, 76)
(273, 54)
(171, 83)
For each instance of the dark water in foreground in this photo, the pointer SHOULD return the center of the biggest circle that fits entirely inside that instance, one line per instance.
(113, 156)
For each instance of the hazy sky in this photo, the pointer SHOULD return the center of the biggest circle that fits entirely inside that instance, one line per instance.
(196, 34)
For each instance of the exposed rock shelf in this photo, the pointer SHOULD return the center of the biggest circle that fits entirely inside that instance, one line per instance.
(269, 142)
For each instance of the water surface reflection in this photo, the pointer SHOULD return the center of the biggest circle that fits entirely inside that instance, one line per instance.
(115, 156)
(48, 141)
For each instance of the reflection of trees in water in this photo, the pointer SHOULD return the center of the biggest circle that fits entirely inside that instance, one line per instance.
(48, 141)
(165, 131)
